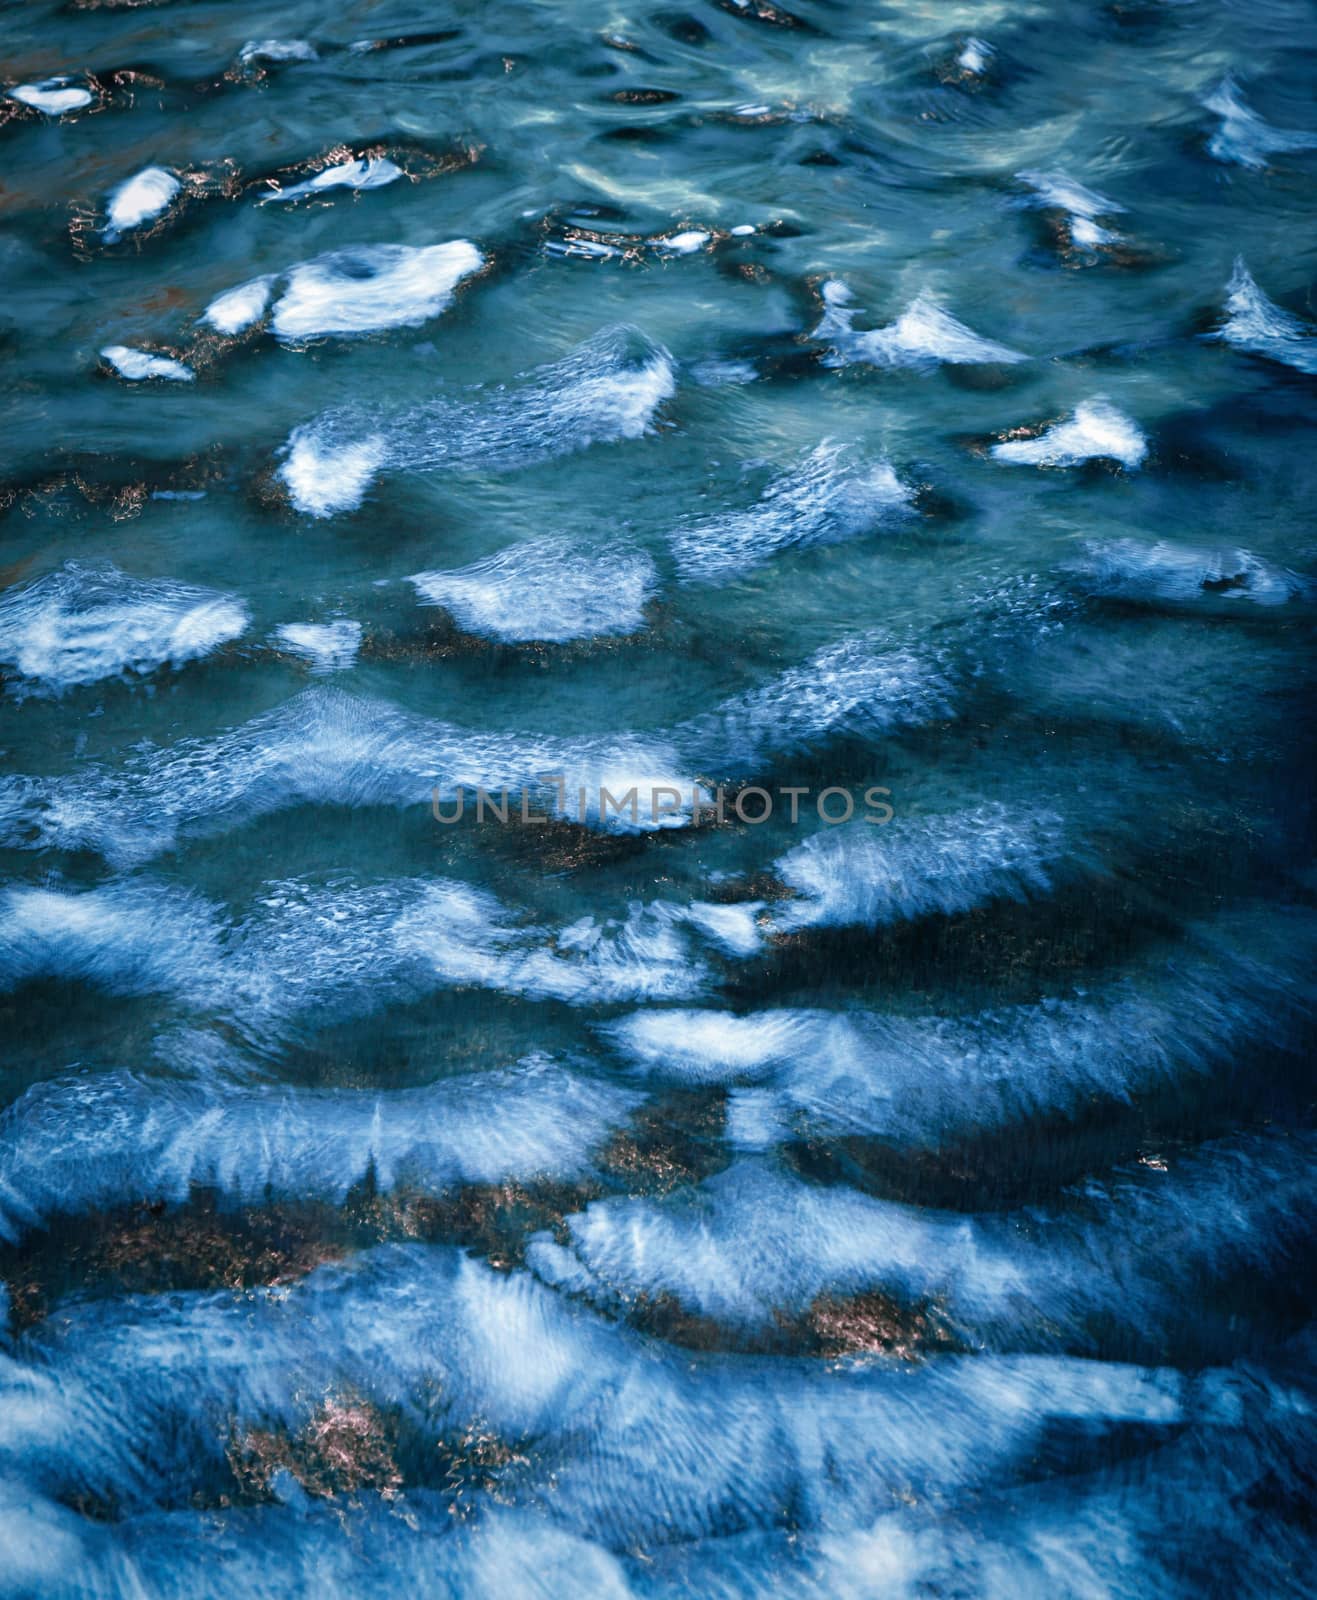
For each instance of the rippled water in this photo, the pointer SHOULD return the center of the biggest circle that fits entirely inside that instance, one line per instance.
(912, 400)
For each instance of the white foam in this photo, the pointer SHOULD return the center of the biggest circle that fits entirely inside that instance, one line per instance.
(1082, 207)
(136, 365)
(374, 172)
(1096, 432)
(627, 1443)
(323, 479)
(923, 335)
(860, 687)
(733, 928)
(975, 57)
(326, 747)
(545, 590)
(80, 624)
(1261, 327)
(1170, 574)
(1063, 193)
(144, 196)
(278, 50)
(604, 391)
(369, 288)
(683, 244)
(53, 96)
(707, 1046)
(327, 646)
(833, 494)
(78, 1144)
(754, 1245)
(127, 938)
(1243, 138)
(238, 308)
(866, 875)
(928, 1083)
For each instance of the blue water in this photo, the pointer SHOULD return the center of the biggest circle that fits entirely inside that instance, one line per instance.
(478, 1118)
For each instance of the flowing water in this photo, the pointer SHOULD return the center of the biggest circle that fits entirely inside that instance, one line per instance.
(724, 402)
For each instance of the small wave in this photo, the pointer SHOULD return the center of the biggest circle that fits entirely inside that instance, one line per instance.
(1242, 137)
(1182, 575)
(1082, 207)
(278, 50)
(868, 876)
(862, 687)
(83, 1144)
(1261, 327)
(326, 646)
(130, 938)
(942, 1082)
(604, 391)
(82, 624)
(545, 590)
(832, 495)
(756, 1250)
(124, 1400)
(922, 336)
(1096, 432)
(326, 747)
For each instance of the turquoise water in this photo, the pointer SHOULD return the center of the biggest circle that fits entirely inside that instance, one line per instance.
(910, 401)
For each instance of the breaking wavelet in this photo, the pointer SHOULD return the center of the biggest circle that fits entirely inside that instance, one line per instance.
(922, 336)
(84, 623)
(607, 390)
(546, 590)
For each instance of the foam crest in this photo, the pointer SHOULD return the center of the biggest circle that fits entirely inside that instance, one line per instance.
(82, 624)
(128, 938)
(81, 1144)
(1082, 207)
(546, 590)
(135, 365)
(869, 876)
(239, 308)
(324, 646)
(307, 952)
(1261, 327)
(326, 747)
(860, 687)
(139, 199)
(324, 475)
(367, 172)
(1096, 432)
(754, 1248)
(54, 97)
(369, 288)
(924, 335)
(277, 50)
(1242, 138)
(1164, 574)
(830, 496)
(940, 1082)
(605, 391)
